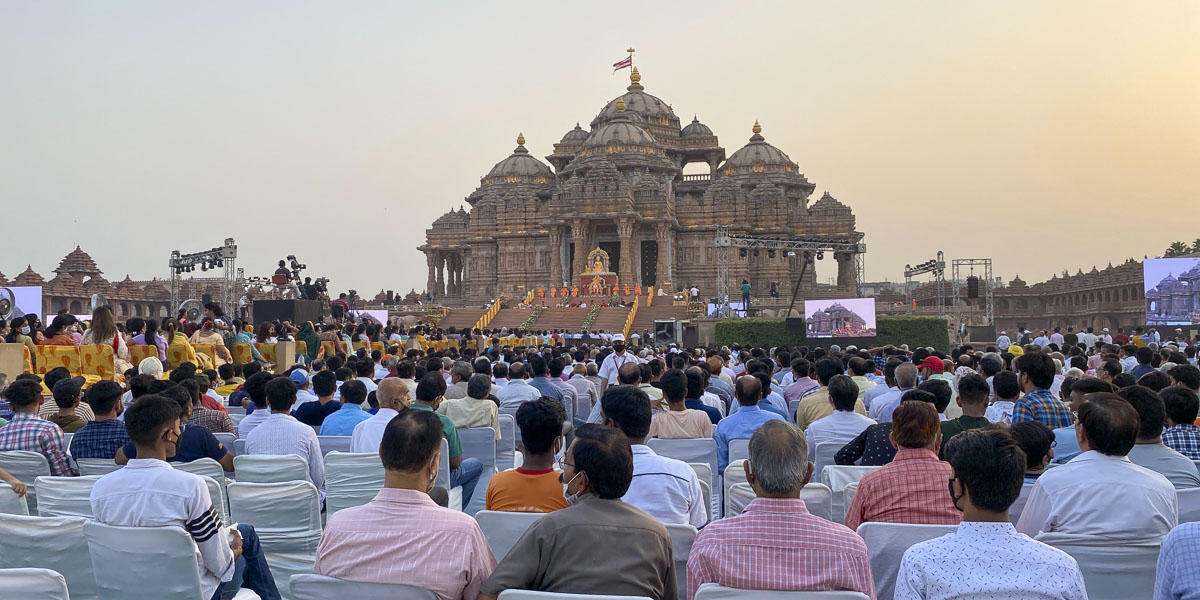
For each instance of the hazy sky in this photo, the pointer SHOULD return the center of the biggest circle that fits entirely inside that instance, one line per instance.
(1045, 135)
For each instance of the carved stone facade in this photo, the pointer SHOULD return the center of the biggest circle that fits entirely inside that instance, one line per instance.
(620, 186)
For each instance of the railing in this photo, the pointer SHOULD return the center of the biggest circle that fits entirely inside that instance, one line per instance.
(629, 319)
(697, 177)
(489, 315)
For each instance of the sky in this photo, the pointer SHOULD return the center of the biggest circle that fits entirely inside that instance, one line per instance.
(1046, 136)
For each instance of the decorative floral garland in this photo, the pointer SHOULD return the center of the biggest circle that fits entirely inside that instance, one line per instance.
(591, 318)
(533, 316)
(434, 314)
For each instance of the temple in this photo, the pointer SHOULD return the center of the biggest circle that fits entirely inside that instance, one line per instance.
(836, 321)
(619, 186)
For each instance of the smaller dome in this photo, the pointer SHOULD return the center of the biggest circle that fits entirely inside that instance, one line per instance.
(519, 164)
(695, 129)
(758, 154)
(577, 135)
(621, 131)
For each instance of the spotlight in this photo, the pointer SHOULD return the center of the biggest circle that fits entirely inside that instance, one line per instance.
(820, 256)
(742, 253)
(770, 254)
(204, 267)
(756, 252)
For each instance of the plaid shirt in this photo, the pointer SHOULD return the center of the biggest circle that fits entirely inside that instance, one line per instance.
(99, 439)
(212, 420)
(910, 489)
(776, 544)
(1184, 439)
(27, 431)
(1041, 405)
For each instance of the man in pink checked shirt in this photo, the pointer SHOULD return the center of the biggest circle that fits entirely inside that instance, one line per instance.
(402, 536)
(775, 544)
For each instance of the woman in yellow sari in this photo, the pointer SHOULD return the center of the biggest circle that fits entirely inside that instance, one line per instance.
(177, 345)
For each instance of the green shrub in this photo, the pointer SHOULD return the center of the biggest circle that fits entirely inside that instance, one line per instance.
(914, 331)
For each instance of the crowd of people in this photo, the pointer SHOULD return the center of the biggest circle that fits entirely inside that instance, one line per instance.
(1077, 438)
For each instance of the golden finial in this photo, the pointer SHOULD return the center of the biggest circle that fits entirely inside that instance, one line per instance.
(520, 139)
(757, 128)
(634, 76)
(620, 104)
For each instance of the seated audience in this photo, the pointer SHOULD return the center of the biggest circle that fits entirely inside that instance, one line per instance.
(149, 493)
(193, 442)
(801, 384)
(533, 486)
(402, 536)
(912, 487)
(66, 397)
(816, 405)
(564, 551)
(50, 408)
(1149, 451)
(1181, 434)
(883, 405)
(104, 436)
(1101, 492)
(1066, 445)
(1035, 373)
(1006, 392)
(776, 544)
(350, 414)
(464, 472)
(283, 434)
(742, 424)
(215, 421)
(393, 396)
(474, 409)
(310, 410)
(256, 390)
(666, 488)
(695, 395)
(1037, 442)
(986, 557)
(1176, 577)
(26, 431)
(973, 400)
(678, 421)
(873, 447)
(843, 424)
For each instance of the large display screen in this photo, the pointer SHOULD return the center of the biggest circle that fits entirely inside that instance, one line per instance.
(840, 318)
(1172, 287)
(18, 301)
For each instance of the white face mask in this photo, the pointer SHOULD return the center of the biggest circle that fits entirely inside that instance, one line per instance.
(572, 499)
(25, 330)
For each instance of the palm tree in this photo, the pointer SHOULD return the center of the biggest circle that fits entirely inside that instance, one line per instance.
(1196, 245)
(1177, 249)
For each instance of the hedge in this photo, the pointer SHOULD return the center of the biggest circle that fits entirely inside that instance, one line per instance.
(914, 331)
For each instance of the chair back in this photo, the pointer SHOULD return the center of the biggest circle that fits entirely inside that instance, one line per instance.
(836, 478)
(228, 440)
(67, 441)
(95, 466)
(503, 529)
(699, 450)
(532, 595)
(98, 361)
(1018, 506)
(140, 352)
(507, 444)
(712, 591)
(26, 466)
(50, 357)
(1189, 505)
(308, 586)
(208, 350)
(329, 348)
(241, 352)
(156, 563)
(334, 443)
(11, 503)
(351, 479)
(1112, 569)
(479, 442)
(824, 454)
(34, 584)
(443, 474)
(270, 468)
(239, 447)
(849, 492)
(818, 498)
(704, 474)
(886, 543)
(287, 517)
(267, 351)
(739, 449)
(682, 538)
(50, 543)
(735, 474)
(213, 473)
(65, 496)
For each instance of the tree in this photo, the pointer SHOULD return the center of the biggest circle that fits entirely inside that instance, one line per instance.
(1177, 249)
(1196, 245)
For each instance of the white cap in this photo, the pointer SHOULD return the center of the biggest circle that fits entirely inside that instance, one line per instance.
(1105, 330)
(1026, 331)
(1002, 332)
(620, 337)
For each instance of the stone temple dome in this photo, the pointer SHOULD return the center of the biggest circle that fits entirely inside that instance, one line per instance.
(695, 129)
(638, 102)
(520, 166)
(757, 155)
(577, 135)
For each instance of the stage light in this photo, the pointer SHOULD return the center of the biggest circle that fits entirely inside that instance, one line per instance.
(820, 256)
(756, 252)
(742, 253)
(770, 254)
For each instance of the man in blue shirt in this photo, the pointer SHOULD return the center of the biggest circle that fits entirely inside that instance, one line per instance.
(343, 420)
(539, 381)
(695, 389)
(104, 436)
(742, 424)
(314, 412)
(194, 442)
(1144, 357)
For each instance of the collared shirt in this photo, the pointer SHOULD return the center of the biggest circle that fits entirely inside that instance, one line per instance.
(816, 406)
(99, 439)
(471, 412)
(558, 553)
(739, 426)
(28, 432)
(1184, 439)
(1066, 445)
(520, 490)
(402, 537)
(455, 391)
(150, 493)
(1177, 468)
(883, 405)
(613, 362)
(212, 420)
(1041, 405)
(194, 442)
(871, 448)
(714, 415)
(1177, 577)
(1057, 338)
(800, 388)
(865, 384)
(517, 392)
(1000, 411)
(283, 434)
(570, 396)
(773, 402)
(839, 427)
(870, 395)
(987, 560)
(584, 388)
(314, 413)
(547, 388)
(666, 488)
(67, 423)
(776, 544)
(910, 489)
(449, 431)
(1096, 494)
(250, 421)
(368, 434)
(49, 408)
(685, 424)
(343, 420)
(953, 427)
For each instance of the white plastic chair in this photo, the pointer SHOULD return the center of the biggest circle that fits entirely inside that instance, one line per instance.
(712, 591)
(699, 450)
(236, 418)
(1018, 505)
(34, 584)
(507, 444)
(503, 529)
(351, 479)
(818, 500)
(532, 595)
(739, 449)
(307, 586)
(96, 466)
(1189, 505)
(704, 474)
(157, 563)
(214, 472)
(11, 503)
(228, 441)
(824, 455)
(65, 496)
(479, 442)
(849, 492)
(836, 478)
(886, 543)
(239, 447)
(269, 468)
(443, 478)
(67, 441)
(1112, 569)
(26, 466)
(287, 517)
(334, 443)
(51, 543)
(682, 538)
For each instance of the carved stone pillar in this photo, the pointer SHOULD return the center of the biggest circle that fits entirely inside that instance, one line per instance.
(665, 238)
(556, 267)
(431, 282)
(625, 234)
(847, 278)
(581, 230)
(440, 286)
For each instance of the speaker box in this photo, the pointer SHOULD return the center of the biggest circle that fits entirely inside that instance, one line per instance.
(794, 325)
(296, 311)
(972, 287)
(666, 331)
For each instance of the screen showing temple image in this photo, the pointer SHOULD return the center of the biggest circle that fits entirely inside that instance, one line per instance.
(842, 318)
(1172, 287)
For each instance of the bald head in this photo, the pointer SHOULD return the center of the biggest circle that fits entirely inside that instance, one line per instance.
(629, 373)
(393, 393)
(906, 376)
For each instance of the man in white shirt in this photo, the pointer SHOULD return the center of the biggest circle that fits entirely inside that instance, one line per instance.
(380, 370)
(460, 373)
(1101, 492)
(1003, 342)
(282, 434)
(1150, 452)
(148, 492)
(841, 426)
(666, 488)
(1056, 338)
(517, 391)
(365, 369)
(613, 362)
(256, 388)
(989, 469)
(393, 396)
(499, 376)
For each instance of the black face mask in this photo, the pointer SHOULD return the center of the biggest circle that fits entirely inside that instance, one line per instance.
(953, 498)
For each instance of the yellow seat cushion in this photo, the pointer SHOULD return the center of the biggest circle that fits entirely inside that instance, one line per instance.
(138, 353)
(267, 351)
(52, 357)
(241, 352)
(97, 361)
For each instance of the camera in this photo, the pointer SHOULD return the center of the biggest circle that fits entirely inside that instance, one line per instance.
(322, 284)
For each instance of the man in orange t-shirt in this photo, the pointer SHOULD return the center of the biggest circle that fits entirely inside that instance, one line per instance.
(535, 485)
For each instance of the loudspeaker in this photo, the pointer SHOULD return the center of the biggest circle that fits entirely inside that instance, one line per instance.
(391, 296)
(794, 325)
(296, 311)
(972, 287)
(666, 332)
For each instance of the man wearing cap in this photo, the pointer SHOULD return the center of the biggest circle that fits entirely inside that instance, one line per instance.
(1003, 342)
(1026, 338)
(612, 362)
(303, 381)
(1105, 336)
(312, 409)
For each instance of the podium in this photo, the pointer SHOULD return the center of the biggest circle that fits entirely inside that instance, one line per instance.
(295, 311)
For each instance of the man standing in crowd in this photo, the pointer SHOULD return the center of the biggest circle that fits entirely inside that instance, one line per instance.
(613, 362)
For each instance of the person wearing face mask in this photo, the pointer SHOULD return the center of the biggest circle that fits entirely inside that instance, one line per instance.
(613, 362)
(988, 469)
(20, 333)
(598, 544)
(402, 536)
(192, 442)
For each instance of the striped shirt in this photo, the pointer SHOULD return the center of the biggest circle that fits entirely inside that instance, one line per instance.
(910, 489)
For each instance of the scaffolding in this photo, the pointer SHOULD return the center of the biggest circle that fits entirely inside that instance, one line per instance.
(222, 257)
(937, 266)
(957, 283)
